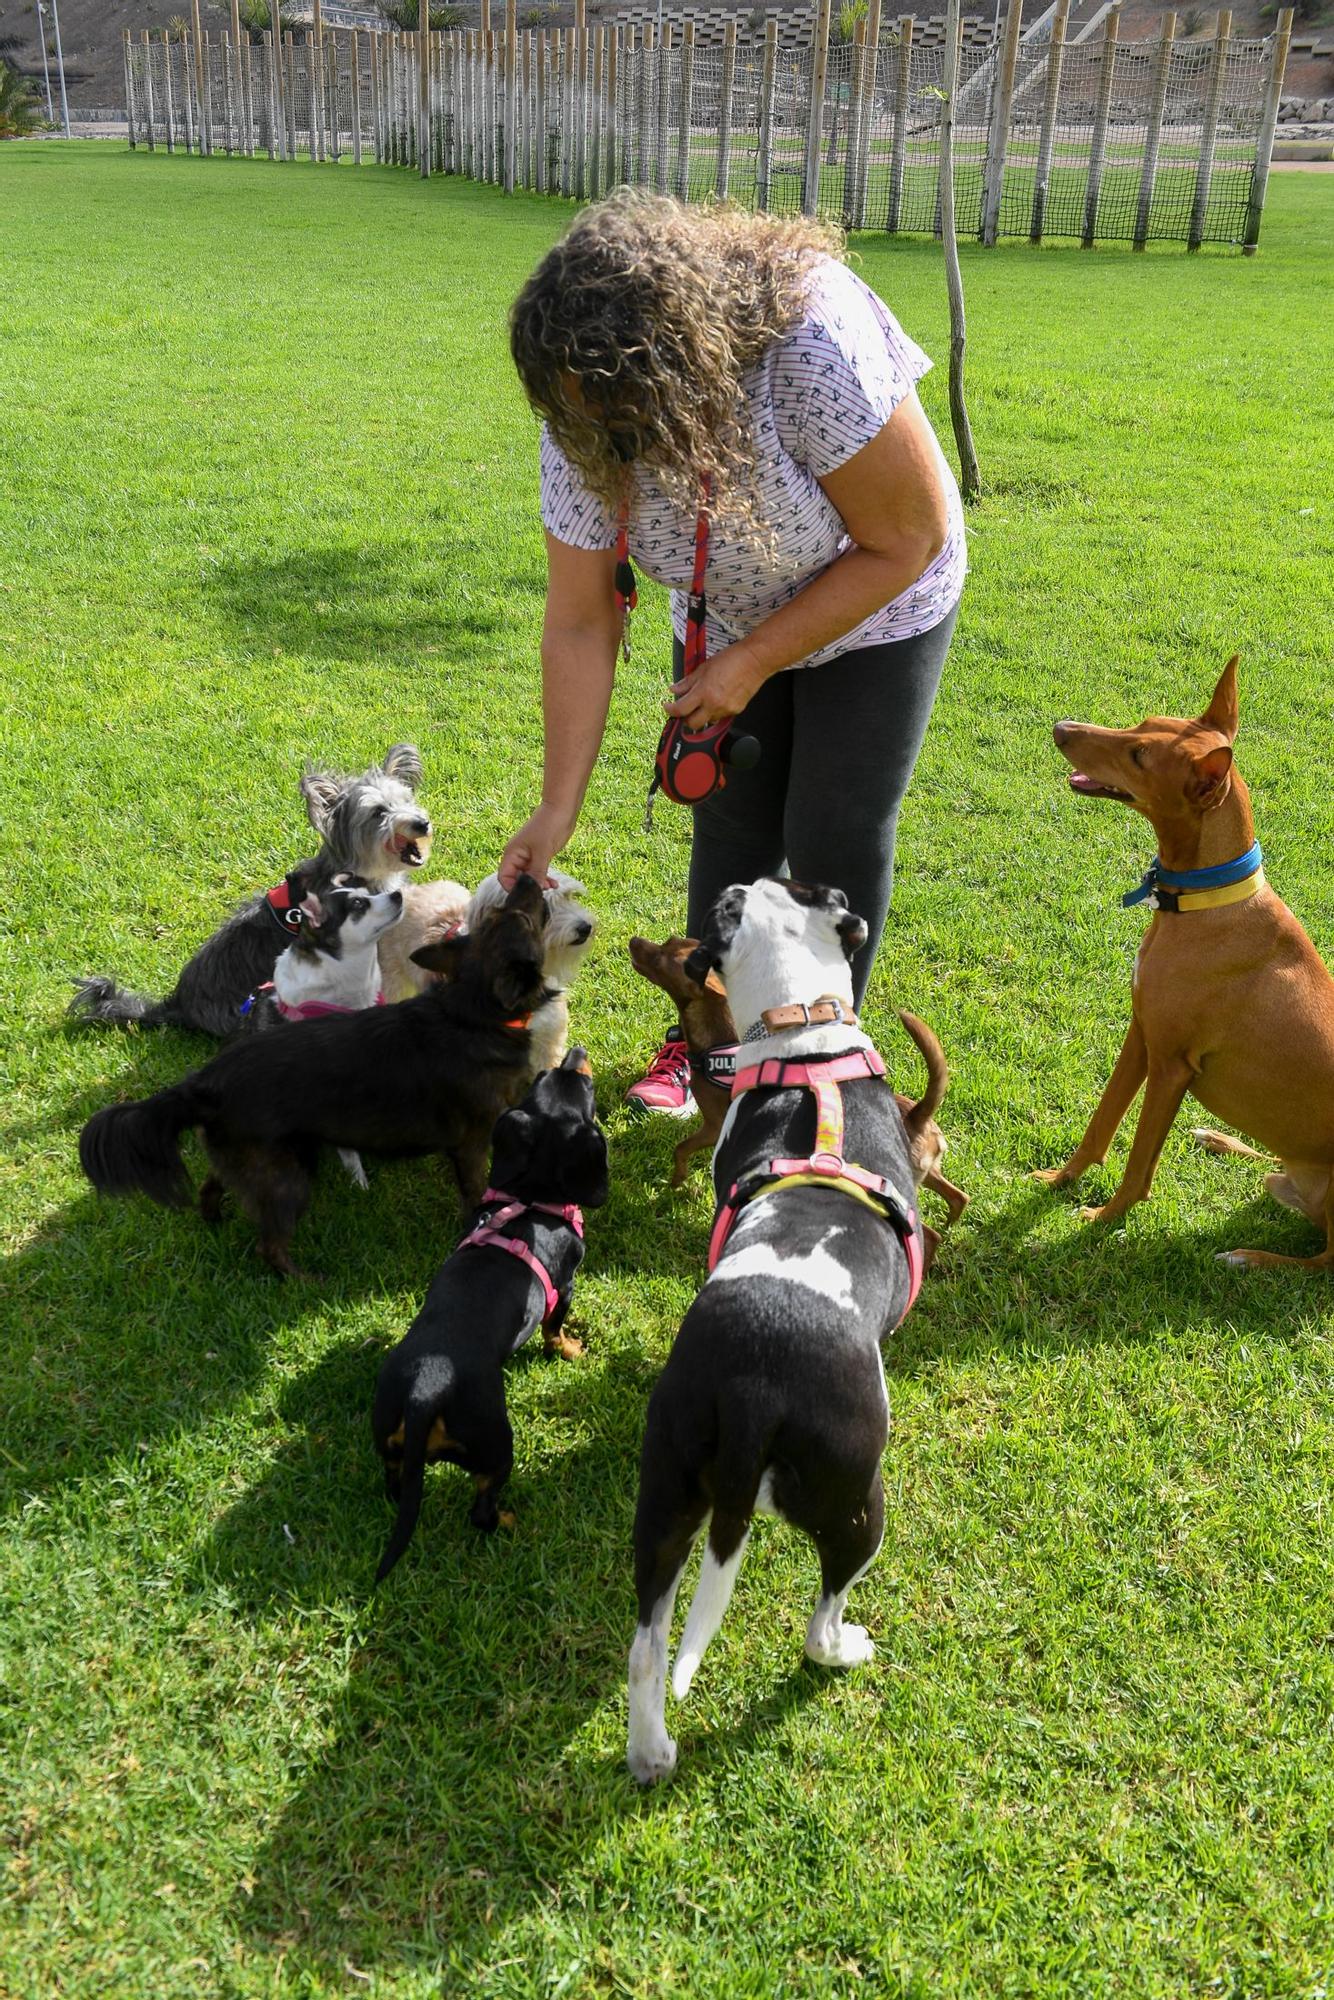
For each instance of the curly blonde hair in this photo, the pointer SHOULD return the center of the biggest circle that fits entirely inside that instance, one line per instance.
(633, 333)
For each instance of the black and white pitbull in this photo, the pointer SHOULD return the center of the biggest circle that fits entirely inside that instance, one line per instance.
(773, 1399)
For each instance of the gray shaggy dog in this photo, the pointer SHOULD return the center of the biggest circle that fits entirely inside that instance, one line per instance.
(370, 826)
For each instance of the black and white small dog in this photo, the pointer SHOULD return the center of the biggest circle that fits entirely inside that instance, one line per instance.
(332, 965)
(441, 1392)
(773, 1398)
(370, 826)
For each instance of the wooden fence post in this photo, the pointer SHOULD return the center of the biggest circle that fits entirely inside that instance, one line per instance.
(1204, 172)
(969, 480)
(899, 150)
(423, 41)
(1047, 136)
(615, 38)
(149, 135)
(768, 82)
(1098, 148)
(594, 165)
(641, 119)
(540, 113)
(682, 176)
(130, 107)
(511, 91)
(856, 80)
(861, 165)
(1154, 129)
(168, 105)
(1264, 145)
(810, 190)
(565, 42)
(579, 104)
(199, 75)
(289, 85)
(665, 42)
(628, 63)
(998, 132)
(723, 167)
(355, 88)
(238, 87)
(242, 38)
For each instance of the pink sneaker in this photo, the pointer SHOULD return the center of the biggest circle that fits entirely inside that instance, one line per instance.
(665, 1084)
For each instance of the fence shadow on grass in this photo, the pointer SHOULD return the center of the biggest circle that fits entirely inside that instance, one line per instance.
(373, 604)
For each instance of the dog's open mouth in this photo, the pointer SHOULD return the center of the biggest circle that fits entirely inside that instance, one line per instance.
(409, 852)
(1089, 788)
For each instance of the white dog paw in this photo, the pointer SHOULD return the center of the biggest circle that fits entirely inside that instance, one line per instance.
(849, 1646)
(1238, 1259)
(653, 1762)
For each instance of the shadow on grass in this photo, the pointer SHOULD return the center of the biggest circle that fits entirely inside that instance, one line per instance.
(371, 603)
(408, 1839)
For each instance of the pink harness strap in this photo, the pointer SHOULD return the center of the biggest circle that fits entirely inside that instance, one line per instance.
(489, 1235)
(311, 1010)
(826, 1163)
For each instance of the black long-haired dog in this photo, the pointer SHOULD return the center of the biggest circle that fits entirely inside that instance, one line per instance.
(429, 1075)
(441, 1392)
(369, 826)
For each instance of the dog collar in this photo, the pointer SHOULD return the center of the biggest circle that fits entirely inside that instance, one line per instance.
(824, 1012)
(716, 1065)
(284, 907)
(489, 1234)
(1176, 892)
(826, 1166)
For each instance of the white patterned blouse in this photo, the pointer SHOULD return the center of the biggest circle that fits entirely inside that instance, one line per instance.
(819, 394)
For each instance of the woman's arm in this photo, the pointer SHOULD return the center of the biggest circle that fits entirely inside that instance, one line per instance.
(580, 633)
(892, 501)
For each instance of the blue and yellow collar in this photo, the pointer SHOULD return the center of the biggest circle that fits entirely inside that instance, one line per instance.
(1199, 888)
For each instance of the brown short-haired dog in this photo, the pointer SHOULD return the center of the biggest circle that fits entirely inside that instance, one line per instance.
(706, 1022)
(430, 1075)
(1230, 1001)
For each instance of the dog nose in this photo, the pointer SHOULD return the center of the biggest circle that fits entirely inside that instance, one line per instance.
(396, 898)
(583, 933)
(420, 825)
(1061, 731)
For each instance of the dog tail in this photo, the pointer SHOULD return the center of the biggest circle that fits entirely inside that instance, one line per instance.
(416, 1428)
(102, 1000)
(937, 1075)
(740, 1463)
(135, 1148)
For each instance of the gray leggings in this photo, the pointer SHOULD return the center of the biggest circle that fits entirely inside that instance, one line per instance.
(838, 744)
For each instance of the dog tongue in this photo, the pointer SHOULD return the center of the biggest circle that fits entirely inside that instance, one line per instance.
(1081, 782)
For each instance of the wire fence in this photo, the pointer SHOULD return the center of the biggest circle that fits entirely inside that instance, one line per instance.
(1099, 139)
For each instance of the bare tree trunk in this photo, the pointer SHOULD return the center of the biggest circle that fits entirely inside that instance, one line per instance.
(970, 480)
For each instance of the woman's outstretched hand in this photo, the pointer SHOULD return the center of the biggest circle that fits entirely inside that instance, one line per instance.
(717, 690)
(530, 850)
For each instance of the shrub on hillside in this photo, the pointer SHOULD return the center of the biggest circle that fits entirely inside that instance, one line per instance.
(18, 106)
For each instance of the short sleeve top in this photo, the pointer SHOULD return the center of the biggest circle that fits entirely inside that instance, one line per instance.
(816, 397)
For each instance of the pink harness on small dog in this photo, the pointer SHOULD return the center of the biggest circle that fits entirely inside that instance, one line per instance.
(490, 1235)
(308, 1010)
(826, 1166)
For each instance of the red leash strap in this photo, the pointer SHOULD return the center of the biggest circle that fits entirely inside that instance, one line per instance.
(627, 592)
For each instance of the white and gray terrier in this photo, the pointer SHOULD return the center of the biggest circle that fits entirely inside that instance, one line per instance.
(432, 910)
(370, 826)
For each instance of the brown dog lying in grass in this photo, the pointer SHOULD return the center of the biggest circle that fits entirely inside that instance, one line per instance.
(706, 1022)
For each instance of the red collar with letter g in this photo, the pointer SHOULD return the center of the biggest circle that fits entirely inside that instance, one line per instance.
(826, 1166)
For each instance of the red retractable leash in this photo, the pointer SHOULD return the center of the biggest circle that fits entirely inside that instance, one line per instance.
(689, 764)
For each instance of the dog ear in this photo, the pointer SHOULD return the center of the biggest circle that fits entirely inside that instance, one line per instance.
(1223, 713)
(1210, 775)
(511, 1145)
(404, 762)
(440, 955)
(699, 966)
(321, 791)
(519, 978)
(584, 1168)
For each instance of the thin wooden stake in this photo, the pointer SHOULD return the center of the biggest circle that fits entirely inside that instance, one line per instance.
(998, 132)
(665, 43)
(130, 93)
(511, 90)
(199, 76)
(686, 109)
(1050, 103)
(642, 107)
(866, 116)
(898, 157)
(615, 41)
(970, 481)
(1154, 129)
(1264, 145)
(810, 192)
(540, 113)
(765, 153)
(424, 92)
(150, 138)
(1098, 148)
(594, 167)
(723, 168)
(238, 108)
(1204, 172)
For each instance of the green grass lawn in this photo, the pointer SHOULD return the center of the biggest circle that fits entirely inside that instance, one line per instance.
(270, 493)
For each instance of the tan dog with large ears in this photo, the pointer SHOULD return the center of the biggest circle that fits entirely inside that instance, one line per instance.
(1230, 1000)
